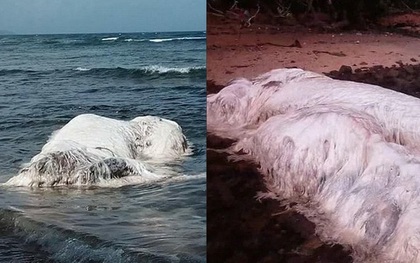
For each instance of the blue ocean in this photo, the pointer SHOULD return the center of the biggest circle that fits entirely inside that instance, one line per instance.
(45, 81)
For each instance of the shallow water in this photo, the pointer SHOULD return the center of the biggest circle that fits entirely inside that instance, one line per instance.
(44, 82)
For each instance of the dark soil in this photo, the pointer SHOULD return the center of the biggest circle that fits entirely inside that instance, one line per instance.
(241, 229)
(403, 78)
(212, 87)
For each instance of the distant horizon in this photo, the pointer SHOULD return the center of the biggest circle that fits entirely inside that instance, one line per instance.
(80, 33)
(46, 17)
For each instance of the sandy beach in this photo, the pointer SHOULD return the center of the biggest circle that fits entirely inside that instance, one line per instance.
(234, 52)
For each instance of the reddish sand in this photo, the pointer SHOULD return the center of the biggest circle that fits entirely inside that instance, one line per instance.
(234, 52)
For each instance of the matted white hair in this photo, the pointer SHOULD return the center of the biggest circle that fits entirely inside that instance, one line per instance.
(91, 149)
(346, 153)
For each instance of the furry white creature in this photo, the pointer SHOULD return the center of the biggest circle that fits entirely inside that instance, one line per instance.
(346, 153)
(91, 149)
(246, 103)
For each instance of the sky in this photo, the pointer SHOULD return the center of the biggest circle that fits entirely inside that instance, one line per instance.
(101, 16)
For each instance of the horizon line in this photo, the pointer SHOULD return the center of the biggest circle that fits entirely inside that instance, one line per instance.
(120, 32)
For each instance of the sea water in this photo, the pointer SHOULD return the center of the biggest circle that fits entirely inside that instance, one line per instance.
(45, 81)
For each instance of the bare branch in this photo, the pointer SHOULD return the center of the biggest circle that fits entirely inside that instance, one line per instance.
(214, 9)
(234, 5)
(248, 22)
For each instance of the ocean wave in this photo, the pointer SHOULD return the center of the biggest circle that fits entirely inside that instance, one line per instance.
(158, 40)
(66, 245)
(100, 40)
(82, 69)
(146, 71)
(162, 69)
(118, 72)
(51, 41)
(4, 72)
(109, 38)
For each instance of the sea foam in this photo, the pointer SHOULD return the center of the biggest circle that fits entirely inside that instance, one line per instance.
(163, 69)
(109, 38)
(82, 69)
(158, 40)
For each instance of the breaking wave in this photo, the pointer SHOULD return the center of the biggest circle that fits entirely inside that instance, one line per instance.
(87, 40)
(118, 72)
(82, 69)
(109, 38)
(145, 71)
(157, 40)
